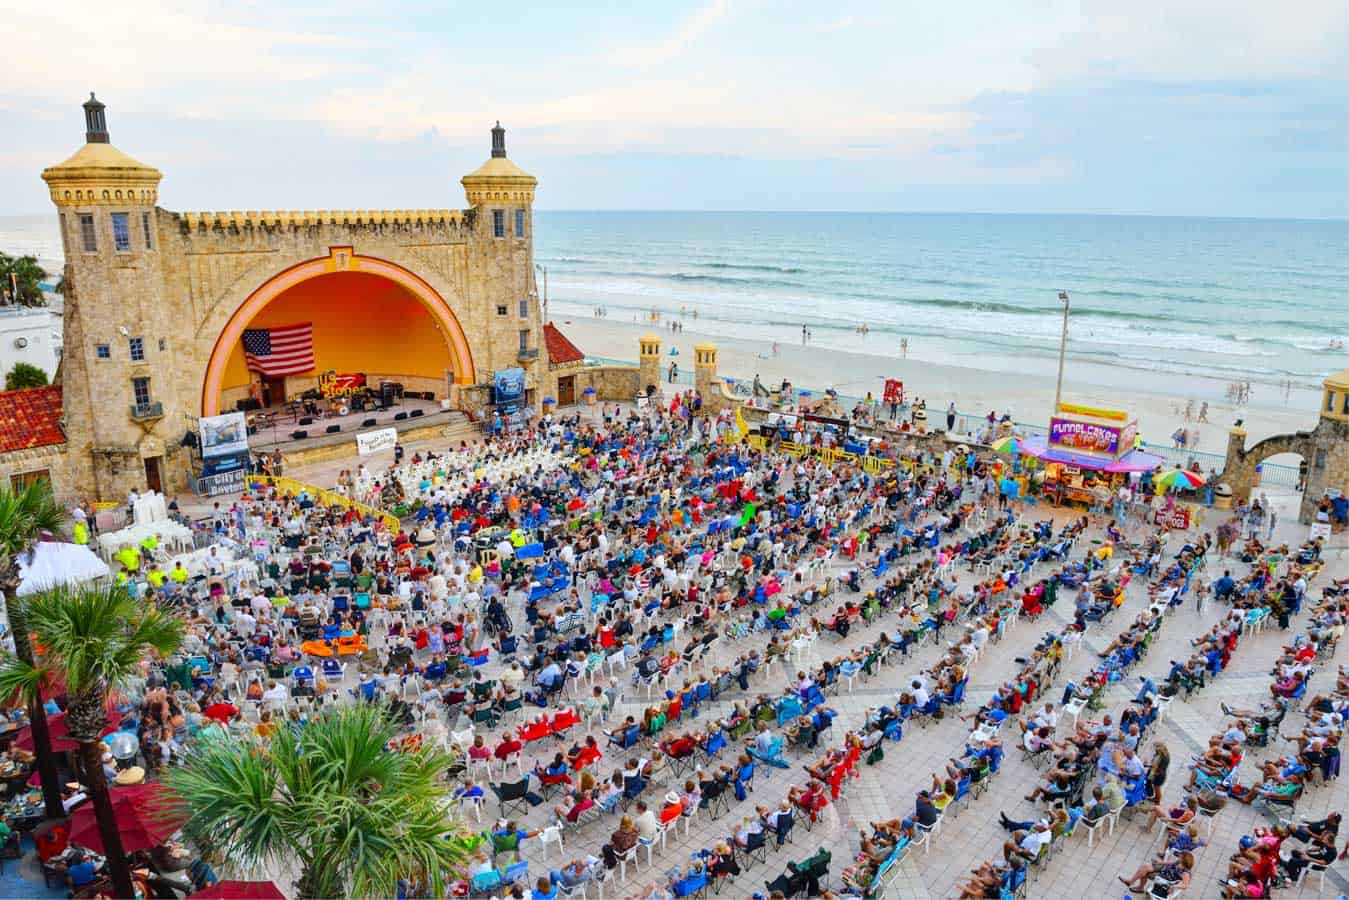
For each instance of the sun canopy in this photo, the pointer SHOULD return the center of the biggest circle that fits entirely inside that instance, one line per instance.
(1133, 461)
(53, 563)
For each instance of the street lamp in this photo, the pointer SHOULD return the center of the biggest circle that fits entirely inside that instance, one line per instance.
(544, 271)
(1063, 347)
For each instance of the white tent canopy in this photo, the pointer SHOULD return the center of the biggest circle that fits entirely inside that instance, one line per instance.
(52, 563)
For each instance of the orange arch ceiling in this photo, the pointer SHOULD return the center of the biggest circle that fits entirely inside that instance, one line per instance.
(339, 259)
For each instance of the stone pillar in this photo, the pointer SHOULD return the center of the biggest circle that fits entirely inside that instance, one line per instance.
(648, 363)
(705, 375)
(1235, 473)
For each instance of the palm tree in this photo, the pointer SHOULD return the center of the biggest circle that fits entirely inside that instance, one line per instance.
(22, 277)
(329, 798)
(95, 639)
(24, 515)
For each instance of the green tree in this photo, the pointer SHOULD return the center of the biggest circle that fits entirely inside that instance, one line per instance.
(24, 274)
(94, 639)
(25, 375)
(24, 515)
(329, 798)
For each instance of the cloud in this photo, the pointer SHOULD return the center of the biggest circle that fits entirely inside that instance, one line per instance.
(839, 24)
(683, 37)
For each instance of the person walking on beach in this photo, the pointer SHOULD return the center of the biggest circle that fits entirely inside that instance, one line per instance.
(1203, 411)
(674, 371)
(904, 348)
(951, 417)
(803, 335)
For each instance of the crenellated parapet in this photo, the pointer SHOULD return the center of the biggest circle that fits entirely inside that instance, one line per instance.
(293, 218)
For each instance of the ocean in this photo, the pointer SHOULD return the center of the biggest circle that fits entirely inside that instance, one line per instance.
(1228, 299)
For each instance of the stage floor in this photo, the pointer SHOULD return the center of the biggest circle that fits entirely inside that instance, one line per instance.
(276, 426)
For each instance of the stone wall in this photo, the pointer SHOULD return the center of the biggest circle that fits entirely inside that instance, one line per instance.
(56, 459)
(1325, 449)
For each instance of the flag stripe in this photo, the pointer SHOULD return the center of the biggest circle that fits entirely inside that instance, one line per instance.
(288, 350)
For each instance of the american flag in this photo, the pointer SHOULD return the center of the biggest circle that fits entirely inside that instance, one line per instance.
(288, 350)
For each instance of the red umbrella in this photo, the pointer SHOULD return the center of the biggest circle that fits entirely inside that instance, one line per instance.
(60, 734)
(239, 890)
(143, 817)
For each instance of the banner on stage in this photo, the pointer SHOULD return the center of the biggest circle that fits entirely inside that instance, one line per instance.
(375, 441)
(224, 435)
(894, 391)
(229, 482)
(509, 386)
(1177, 518)
(1319, 530)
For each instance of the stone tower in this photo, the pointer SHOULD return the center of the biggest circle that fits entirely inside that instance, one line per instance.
(705, 376)
(122, 421)
(502, 194)
(648, 363)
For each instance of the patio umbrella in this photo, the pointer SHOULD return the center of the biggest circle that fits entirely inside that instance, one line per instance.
(1179, 478)
(60, 734)
(1009, 446)
(143, 817)
(239, 890)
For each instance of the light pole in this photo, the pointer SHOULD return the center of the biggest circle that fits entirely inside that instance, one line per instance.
(544, 271)
(1063, 347)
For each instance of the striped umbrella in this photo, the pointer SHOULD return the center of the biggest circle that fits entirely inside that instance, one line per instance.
(1181, 479)
(1009, 446)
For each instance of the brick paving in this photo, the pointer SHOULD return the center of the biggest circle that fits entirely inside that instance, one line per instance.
(887, 790)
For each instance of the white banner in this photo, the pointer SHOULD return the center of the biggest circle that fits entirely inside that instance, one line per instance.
(224, 435)
(1319, 530)
(375, 441)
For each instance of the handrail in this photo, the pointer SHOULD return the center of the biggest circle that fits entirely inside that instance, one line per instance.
(292, 487)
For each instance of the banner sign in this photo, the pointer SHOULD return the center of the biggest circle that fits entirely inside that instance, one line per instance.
(894, 391)
(1092, 412)
(224, 435)
(216, 465)
(375, 441)
(231, 482)
(1177, 518)
(1085, 437)
(509, 386)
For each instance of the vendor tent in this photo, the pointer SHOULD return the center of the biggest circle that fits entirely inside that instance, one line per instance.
(53, 563)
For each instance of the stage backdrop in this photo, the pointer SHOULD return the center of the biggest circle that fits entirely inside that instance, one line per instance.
(362, 323)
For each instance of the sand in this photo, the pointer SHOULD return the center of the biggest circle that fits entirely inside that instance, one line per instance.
(1028, 397)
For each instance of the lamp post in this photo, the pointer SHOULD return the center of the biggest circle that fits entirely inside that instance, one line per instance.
(1063, 347)
(544, 271)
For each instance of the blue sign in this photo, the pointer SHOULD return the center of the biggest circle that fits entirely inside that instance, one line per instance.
(509, 386)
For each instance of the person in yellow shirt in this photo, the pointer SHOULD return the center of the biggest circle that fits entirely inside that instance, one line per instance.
(156, 577)
(179, 574)
(80, 533)
(130, 558)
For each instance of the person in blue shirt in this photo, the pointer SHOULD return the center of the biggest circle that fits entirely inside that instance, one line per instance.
(1223, 587)
(81, 871)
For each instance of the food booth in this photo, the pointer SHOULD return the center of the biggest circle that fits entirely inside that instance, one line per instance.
(1087, 449)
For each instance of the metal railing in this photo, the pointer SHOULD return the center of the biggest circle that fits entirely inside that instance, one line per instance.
(973, 423)
(151, 410)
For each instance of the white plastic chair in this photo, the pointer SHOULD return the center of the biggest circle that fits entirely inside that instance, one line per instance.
(551, 835)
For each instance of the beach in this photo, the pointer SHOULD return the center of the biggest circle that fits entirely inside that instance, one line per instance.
(1028, 397)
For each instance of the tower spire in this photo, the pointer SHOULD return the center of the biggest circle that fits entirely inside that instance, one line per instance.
(95, 123)
(498, 142)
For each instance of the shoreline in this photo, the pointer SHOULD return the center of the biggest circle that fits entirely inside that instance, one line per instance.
(1029, 397)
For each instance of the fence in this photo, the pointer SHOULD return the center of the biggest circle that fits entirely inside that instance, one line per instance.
(973, 423)
(291, 487)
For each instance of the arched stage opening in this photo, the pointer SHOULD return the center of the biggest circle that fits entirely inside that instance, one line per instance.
(368, 316)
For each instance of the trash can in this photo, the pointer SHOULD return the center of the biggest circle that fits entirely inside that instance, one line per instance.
(1222, 496)
(591, 396)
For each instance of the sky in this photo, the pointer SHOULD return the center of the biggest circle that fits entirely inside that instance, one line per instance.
(1183, 107)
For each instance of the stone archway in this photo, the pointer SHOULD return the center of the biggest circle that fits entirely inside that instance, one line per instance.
(339, 259)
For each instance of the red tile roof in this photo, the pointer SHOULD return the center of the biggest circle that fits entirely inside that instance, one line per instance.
(30, 418)
(560, 350)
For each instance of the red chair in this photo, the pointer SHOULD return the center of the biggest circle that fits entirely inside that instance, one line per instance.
(563, 720)
(587, 757)
(535, 731)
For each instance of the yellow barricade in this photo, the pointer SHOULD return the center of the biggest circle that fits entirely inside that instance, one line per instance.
(290, 487)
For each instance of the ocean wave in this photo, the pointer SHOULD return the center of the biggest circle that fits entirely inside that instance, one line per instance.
(749, 267)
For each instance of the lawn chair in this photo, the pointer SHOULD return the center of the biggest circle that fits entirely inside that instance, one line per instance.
(512, 793)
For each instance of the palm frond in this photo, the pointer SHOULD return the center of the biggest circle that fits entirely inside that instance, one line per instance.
(21, 680)
(355, 816)
(24, 514)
